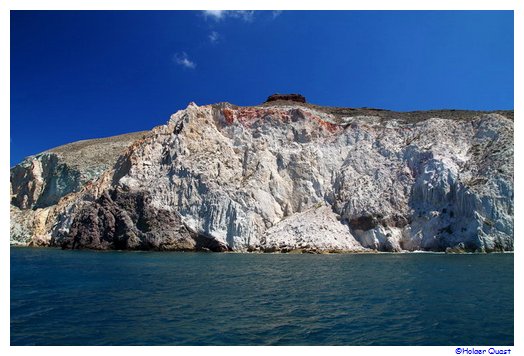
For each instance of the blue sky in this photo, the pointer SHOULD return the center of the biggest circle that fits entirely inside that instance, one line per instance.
(86, 74)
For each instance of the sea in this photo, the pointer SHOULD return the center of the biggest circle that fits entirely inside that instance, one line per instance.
(64, 297)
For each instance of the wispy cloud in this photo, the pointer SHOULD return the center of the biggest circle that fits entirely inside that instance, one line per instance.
(276, 13)
(218, 15)
(214, 14)
(214, 37)
(183, 60)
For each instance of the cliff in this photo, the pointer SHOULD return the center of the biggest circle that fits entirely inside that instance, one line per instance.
(282, 176)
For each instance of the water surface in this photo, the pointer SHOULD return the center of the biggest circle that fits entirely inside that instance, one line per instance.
(151, 298)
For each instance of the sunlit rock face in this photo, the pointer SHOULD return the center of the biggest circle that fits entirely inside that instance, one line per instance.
(283, 176)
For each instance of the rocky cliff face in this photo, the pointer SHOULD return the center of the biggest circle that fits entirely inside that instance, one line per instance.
(282, 176)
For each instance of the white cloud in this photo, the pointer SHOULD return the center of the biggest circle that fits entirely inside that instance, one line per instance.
(183, 60)
(276, 13)
(218, 15)
(214, 37)
(214, 14)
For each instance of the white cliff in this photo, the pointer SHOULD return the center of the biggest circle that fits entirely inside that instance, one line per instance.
(282, 176)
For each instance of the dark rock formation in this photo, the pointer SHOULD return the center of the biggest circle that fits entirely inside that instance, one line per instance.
(127, 221)
(291, 97)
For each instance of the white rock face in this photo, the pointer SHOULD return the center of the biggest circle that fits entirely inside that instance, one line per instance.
(301, 231)
(287, 177)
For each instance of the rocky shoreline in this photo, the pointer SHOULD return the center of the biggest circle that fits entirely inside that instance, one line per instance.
(283, 251)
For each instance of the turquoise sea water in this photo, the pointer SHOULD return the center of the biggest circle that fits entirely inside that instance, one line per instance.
(151, 298)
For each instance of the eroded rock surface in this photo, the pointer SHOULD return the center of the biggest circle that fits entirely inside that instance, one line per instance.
(277, 177)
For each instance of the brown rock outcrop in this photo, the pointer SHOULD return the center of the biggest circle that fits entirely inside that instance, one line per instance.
(290, 97)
